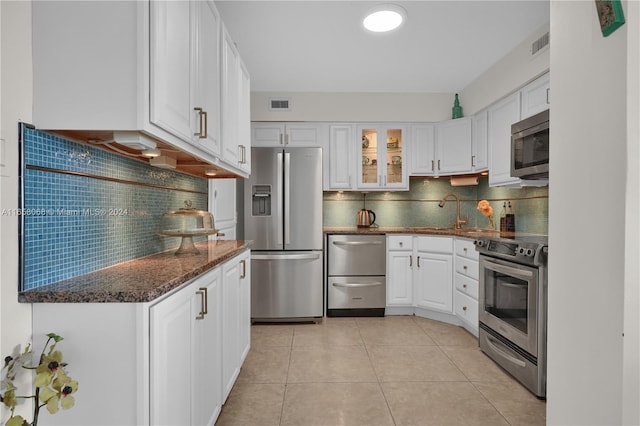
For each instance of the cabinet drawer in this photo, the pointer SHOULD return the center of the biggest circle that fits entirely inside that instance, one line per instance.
(465, 248)
(364, 292)
(466, 285)
(466, 308)
(399, 242)
(467, 267)
(435, 244)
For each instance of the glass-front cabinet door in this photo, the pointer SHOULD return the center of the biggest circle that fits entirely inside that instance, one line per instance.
(381, 159)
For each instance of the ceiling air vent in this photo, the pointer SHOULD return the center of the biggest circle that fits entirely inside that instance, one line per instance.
(540, 44)
(279, 104)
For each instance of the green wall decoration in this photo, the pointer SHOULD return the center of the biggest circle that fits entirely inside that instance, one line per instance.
(610, 15)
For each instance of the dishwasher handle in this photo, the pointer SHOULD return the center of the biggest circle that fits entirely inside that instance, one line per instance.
(357, 243)
(311, 256)
(356, 285)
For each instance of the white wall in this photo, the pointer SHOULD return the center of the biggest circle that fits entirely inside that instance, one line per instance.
(15, 30)
(587, 202)
(354, 107)
(516, 69)
(631, 348)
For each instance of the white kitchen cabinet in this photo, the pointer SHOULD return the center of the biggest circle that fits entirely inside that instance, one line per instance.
(433, 274)
(443, 148)
(423, 149)
(141, 70)
(535, 96)
(185, 71)
(222, 203)
(479, 143)
(453, 146)
(236, 144)
(466, 285)
(165, 364)
(236, 318)
(501, 116)
(244, 122)
(338, 158)
(381, 156)
(288, 134)
(400, 270)
(185, 336)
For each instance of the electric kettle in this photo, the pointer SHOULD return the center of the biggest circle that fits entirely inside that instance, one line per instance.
(366, 218)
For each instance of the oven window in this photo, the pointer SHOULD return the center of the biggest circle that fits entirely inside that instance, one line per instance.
(506, 298)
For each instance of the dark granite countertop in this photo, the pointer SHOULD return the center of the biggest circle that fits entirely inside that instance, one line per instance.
(136, 281)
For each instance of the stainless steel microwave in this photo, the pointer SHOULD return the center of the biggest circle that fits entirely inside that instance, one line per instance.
(530, 147)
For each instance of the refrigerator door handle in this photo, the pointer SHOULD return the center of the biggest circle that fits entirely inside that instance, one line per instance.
(287, 198)
(279, 185)
(285, 256)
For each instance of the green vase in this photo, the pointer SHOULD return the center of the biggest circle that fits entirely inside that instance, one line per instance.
(457, 109)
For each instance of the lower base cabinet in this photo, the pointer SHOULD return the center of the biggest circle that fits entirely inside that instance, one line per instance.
(435, 277)
(157, 363)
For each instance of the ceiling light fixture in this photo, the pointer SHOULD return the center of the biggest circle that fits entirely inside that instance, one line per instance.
(210, 173)
(384, 18)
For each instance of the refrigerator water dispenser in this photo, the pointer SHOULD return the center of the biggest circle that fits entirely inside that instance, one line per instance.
(261, 200)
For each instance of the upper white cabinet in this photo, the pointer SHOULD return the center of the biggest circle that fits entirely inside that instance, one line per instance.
(143, 69)
(185, 90)
(287, 134)
(236, 143)
(535, 96)
(380, 158)
(339, 163)
(423, 149)
(442, 148)
(479, 146)
(453, 146)
(501, 116)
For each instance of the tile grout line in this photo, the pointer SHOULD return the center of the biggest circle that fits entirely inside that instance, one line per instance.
(393, 419)
(286, 384)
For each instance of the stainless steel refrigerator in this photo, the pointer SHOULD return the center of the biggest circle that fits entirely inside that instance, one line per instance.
(283, 216)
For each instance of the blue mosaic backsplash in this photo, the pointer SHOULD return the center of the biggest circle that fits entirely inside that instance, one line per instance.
(106, 212)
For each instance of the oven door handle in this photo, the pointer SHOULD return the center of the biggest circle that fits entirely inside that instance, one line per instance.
(514, 272)
(492, 343)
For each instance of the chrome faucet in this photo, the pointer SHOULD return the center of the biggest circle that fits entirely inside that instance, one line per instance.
(459, 221)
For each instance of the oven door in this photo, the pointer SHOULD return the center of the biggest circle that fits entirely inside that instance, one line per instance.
(508, 302)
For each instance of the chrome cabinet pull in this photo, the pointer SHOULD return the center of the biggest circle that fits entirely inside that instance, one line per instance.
(432, 166)
(438, 165)
(473, 161)
(243, 275)
(410, 261)
(202, 133)
(548, 96)
(286, 139)
(281, 138)
(243, 154)
(202, 291)
(418, 261)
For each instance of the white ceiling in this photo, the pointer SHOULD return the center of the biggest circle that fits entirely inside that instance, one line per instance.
(320, 46)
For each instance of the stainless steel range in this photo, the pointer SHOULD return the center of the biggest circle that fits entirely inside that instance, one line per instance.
(513, 306)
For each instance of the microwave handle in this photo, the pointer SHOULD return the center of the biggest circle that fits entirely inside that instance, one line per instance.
(514, 272)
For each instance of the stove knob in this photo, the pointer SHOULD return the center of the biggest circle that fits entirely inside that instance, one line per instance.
(529, 252)
(478, 243)
(521, 251)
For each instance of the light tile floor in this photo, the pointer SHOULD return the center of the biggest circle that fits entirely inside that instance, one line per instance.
(397, 370)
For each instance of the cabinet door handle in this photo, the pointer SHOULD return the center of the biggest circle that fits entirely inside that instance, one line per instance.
(281, 138)
(548, 96)
(432, 166)
(202, 133)
(410, 260)
(464, 308)
(202, 291)
(418, 261)
(438, 165)
(243, 154)
(473, 162)
(243, 275)
(286, 139)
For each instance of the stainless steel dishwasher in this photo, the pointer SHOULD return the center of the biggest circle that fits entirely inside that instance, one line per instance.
(356, 266)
